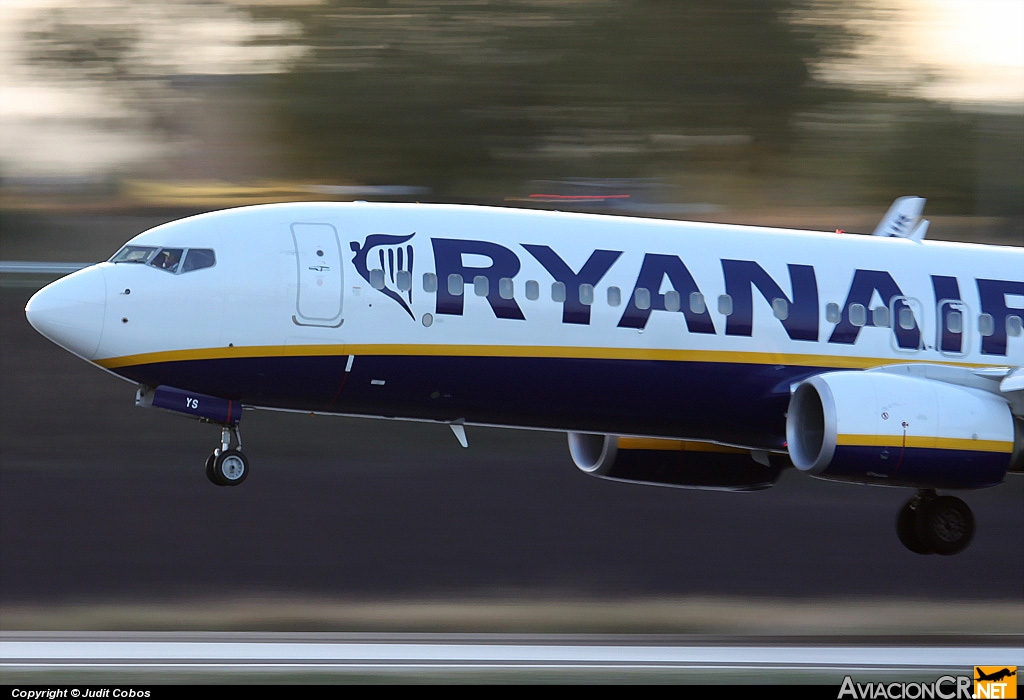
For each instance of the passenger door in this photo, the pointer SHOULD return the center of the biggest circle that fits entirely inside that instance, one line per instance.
(319, 294)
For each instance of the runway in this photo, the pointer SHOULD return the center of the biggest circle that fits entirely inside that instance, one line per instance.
(525, 655)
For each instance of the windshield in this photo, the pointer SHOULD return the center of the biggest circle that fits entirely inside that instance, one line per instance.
(169, 259)
(134, 254)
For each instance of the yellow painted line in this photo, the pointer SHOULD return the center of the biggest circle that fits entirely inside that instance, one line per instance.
(629, 443)
(913, 441)
(196, 354)
(340, 350)
(528, 351)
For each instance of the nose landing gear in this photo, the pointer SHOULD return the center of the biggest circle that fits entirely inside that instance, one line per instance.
(227, 466)
(933, 524)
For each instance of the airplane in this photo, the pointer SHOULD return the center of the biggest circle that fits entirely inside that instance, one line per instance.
(680, 354)
(995, 676)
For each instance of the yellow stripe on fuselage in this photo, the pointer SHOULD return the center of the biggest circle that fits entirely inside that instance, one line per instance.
(528, 351)
(914, 441)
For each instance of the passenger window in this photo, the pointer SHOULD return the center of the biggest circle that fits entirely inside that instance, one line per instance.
(697, 305)
(558, 292)
(614, 296)
(955, 322)
(455, 284)
(725, 305)
(906, 319)
(377, 278)
(642, 297)
(506, 288)
(880, 317)
(198, 259)
(532, 290)
(858, 315)
(587, 294)
(832, 314)
(1014, 326)
(986, 325)
(672, 300)
(429, 282)
(780, 308)
(481, 286)
(403, 278)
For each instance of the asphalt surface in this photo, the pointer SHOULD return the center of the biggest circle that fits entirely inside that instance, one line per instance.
(102, 502)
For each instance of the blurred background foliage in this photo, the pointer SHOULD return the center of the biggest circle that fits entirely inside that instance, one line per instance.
(722, 103)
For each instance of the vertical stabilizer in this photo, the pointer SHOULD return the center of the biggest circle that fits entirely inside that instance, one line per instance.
(903, 220)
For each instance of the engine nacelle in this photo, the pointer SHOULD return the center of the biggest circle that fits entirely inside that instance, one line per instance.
(882, 428)
(678, 463)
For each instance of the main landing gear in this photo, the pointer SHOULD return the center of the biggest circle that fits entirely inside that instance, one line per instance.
(227, 466)
(933, 524)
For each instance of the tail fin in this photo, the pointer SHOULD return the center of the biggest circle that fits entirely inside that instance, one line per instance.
(903, 220)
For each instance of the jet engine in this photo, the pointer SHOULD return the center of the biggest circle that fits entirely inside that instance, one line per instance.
(678, 463)
(900, 430)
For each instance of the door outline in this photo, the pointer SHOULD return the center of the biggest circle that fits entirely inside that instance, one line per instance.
(318, 265)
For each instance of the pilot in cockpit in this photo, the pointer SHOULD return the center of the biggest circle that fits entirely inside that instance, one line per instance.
(168, 260)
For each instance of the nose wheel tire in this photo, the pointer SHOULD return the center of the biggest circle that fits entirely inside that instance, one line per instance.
(227, 467)
(930, 524)
(209, 469)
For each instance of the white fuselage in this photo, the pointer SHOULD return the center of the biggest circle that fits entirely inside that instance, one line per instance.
(585, 322)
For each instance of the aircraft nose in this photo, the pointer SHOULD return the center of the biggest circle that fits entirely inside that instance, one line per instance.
(70, 311)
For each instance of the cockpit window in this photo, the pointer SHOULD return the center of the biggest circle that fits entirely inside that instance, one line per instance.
(198, 258)
(169, 259)
(134, 254)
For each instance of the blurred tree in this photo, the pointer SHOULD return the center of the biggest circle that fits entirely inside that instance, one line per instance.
(69, 39)
(475, 98)
(452, 91)
(966, 163)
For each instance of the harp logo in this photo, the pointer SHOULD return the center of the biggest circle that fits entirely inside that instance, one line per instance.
(386, 263)
(995, 682)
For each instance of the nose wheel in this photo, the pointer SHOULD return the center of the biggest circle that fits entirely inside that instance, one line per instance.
(932, 524)
(227, 466)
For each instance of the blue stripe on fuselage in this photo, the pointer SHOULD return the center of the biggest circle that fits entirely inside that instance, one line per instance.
(728, 402)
